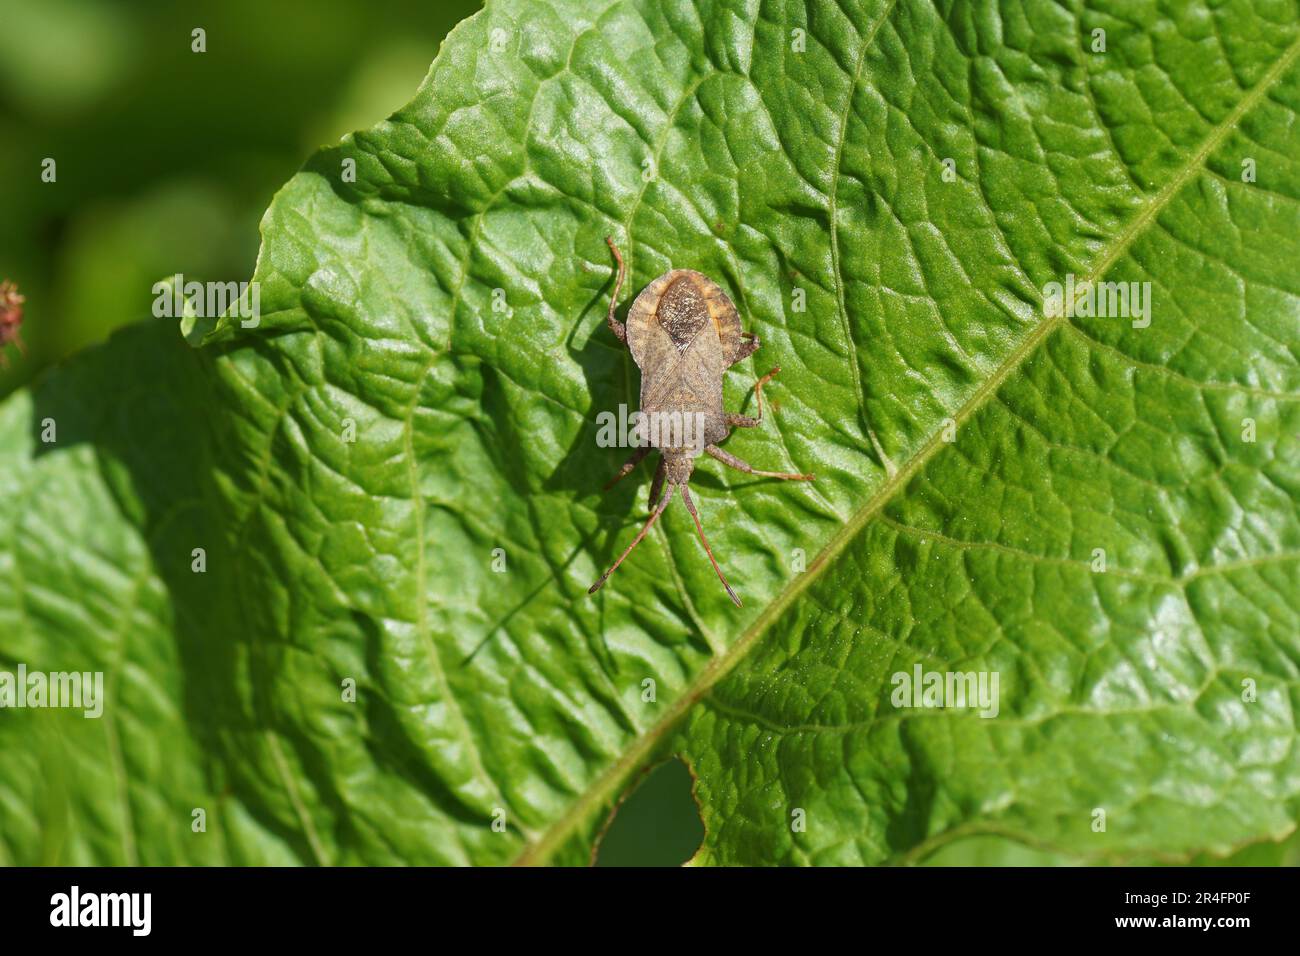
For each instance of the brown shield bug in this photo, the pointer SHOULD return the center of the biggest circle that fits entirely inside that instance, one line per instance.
(683, 333)
(11, 319)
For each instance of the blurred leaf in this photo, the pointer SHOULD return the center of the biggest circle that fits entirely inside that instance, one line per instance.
(972, 453)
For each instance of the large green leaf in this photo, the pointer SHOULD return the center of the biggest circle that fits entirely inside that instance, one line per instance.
(973, 453)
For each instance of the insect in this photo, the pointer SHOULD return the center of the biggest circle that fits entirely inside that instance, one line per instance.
(683, 333)
(11, 319)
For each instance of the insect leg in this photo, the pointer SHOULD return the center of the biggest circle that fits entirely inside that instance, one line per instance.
(633, 460)
(744, 421)
(690, 506)
(615, 326)
(747, 347)
(657, 484)
(741, 465)
(654, 516)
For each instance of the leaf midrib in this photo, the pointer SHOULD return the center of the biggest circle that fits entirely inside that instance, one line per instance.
(718, 667)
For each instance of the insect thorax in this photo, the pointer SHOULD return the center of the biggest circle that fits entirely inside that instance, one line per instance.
(682, 311)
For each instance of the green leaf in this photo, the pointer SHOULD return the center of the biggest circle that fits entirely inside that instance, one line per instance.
(973, 453)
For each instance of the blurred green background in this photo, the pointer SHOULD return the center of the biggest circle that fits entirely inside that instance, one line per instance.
(167, 158)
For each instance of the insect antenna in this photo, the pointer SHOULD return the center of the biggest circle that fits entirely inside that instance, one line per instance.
(690, 506)
(618, 280)
(659, 509)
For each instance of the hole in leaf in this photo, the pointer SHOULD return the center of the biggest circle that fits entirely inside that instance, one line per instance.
(658, 824)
